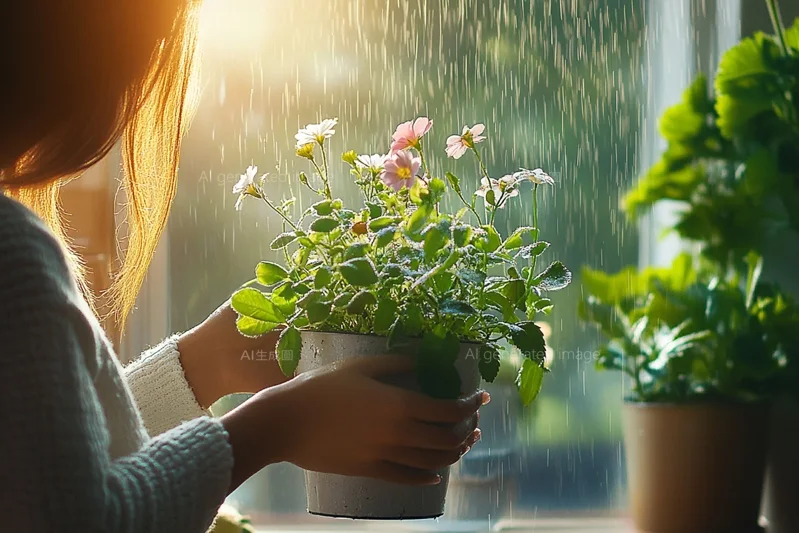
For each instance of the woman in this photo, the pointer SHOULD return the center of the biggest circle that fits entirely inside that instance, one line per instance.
(87, 445)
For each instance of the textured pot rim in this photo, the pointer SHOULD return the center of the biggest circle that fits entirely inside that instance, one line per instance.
(703, 404)
(373, 335)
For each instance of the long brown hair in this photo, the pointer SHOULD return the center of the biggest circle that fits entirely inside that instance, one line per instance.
(76, 78)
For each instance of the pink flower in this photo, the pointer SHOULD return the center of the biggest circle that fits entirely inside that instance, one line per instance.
(458, 144)
(409, 133)
(401, 170)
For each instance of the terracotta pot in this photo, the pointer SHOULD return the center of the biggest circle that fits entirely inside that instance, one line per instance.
(782, 480)
(695, 468)
(355, 497)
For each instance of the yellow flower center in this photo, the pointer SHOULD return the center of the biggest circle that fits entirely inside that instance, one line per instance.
(468, 139)
(404, 173)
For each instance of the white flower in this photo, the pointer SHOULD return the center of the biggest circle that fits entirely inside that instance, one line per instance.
(246, 186)
(316, 133)
(374, 163)
(503, 188)
(536, 176)
(458, 144)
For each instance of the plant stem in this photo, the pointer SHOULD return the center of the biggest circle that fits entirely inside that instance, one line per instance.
(472, 209)
(482, 166)
(325, 178)
(533, 259)
(424, 161)
(279, 212)
(776, 21)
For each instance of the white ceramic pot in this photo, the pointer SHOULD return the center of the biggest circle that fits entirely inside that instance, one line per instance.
(364, 498)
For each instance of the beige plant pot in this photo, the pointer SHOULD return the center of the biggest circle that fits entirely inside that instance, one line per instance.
(782, 480)
(695, 468)
(364, 498)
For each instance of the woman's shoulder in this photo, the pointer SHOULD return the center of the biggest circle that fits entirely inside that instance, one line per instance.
(30, 255)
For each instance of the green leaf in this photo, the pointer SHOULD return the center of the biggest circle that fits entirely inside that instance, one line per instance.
(385, 236)
(324, 224)
(514, 290)
(456, 307)
(682, 122)
(376, 224)
(555, 277)
(318, 312)
(533, 250)
(472, 277)
(252, 327)
(253, 303)
(413, 319)
(435, 365)
(454, 182)
(762, 173)
(359, 272)
(283, 240)
(289, 346)
(358, 249)
(522, 236)
(418, 219)
(323, 207)
(343, 299)
(442, 282)
(284, 297)
(322, 277)
(310, 297)
(755, 263)
(489, 363)
(529, 381)
(491, 197)
(360, 301)
(462, 235)
(743, 74)
(437, 188)
(270, 273)
(499, 302)
(489, 242)
(436, 237)
(529, 339)
(375, 210)
(385, 315)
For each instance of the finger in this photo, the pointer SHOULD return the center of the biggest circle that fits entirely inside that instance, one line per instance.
(426, 459)
(380, 365)
(402, 474)
(430, 437)
(426, 409)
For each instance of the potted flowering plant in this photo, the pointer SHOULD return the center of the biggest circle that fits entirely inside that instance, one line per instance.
(401, 272)
(705, 352)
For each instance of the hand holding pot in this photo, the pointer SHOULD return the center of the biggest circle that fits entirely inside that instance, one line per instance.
(341, 419)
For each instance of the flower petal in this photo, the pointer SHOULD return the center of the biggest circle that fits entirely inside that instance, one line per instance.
(421, 126)
(478, 129)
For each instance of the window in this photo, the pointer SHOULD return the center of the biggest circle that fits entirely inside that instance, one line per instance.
(563, 85)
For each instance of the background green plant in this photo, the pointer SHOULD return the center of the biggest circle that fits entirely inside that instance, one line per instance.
(732, 159)
(708, 328)
(689, 334)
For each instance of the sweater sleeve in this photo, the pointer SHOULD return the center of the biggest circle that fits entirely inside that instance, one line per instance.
(55, 464)
(159, 386)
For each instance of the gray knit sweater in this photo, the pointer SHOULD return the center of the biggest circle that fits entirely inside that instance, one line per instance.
(74, 452)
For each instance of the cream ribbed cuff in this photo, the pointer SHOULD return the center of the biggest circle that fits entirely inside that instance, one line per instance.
(159, 386)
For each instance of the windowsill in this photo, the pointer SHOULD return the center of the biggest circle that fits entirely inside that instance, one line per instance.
(531, 525)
